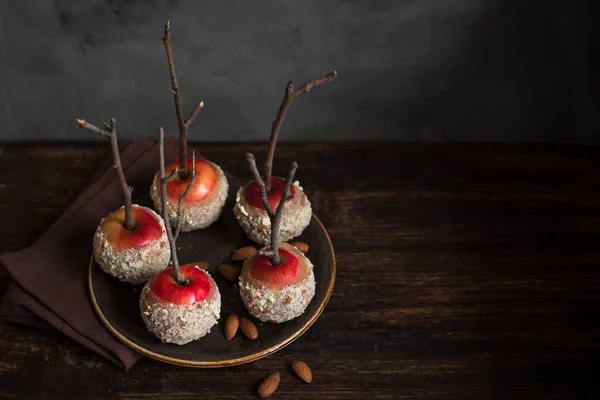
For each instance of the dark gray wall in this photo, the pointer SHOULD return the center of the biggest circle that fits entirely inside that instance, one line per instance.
(475, 70)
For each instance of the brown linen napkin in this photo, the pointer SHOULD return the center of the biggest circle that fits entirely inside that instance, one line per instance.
(51, 275)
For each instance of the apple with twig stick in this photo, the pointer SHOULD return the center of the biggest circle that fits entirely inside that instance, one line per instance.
(250, 210)
(130, 243)
(277, 282)
(180, 303)
(205, 200)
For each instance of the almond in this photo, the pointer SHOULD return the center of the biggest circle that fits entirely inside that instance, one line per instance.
(269, 385)
(248, 328)
(200, 264)
(302, 370)
(303, 247)
(231, 326)
(243, 253)
(230, 273)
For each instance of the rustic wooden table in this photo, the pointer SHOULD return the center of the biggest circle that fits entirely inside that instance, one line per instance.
(464, 271)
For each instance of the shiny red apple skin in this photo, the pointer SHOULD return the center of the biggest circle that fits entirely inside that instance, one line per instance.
(147, 228)
(206, 180)
(291, 270)
(252, 194)
(165, 286)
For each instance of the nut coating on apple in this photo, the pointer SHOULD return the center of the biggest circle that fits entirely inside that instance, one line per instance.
(130, 244)
(132, 256)
(277, 293)
(204, 203)
(249, 208)
(179, 313)
(254, 220)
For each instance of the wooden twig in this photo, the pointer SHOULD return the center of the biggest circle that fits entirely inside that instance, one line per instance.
(274, 216)
(308, 86)
(185, 193)
(176, 92)
(110, 131)
(288, 96)
(163, 196)
(261, 185)
(193, 114)
(93, 128)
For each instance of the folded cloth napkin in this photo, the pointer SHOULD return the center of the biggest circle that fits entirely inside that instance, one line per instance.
(50, 288)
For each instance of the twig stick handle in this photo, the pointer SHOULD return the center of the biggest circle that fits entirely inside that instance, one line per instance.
(288, 96)
(308, 86)
(274, 216)
(177, 99)
(110, 131)
(183, 124)
(185, 193)
(163, 196)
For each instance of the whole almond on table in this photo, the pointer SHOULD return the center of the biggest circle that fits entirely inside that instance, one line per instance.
(303, 247)
(248, 328)
(201, 264)
(231, 326)
(243, 253)
(230, 273)
(302, 370)
(269, 385)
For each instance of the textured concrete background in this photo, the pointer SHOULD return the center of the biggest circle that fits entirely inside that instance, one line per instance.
(431, 70)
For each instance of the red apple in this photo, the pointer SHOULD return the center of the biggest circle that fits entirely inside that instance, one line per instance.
(206, 180)
(204, 203)
(146, 228)
(277, 293)
(252, 194)
(293, 269)
(196, 288)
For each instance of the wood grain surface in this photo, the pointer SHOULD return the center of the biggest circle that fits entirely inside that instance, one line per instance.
(464, 271)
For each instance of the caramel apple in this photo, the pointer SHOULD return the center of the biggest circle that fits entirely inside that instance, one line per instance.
(135, 255)
(204, 203)
(253, 219)
(249, 209)
(277, 283)
(131, 243)
(207, 196)
(277, 293)
(179, 304)
(179, 313)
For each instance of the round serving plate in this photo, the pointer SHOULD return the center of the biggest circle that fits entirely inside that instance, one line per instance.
(117, 303)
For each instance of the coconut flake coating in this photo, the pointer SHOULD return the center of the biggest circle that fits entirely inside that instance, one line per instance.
(180, 323)
(257, 225)
(198, 215)
(133, 266)
(278, 305)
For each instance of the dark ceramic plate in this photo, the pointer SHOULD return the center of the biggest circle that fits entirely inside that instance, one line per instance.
(117, 304)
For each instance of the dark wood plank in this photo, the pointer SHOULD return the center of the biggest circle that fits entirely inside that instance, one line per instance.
(464, 271)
